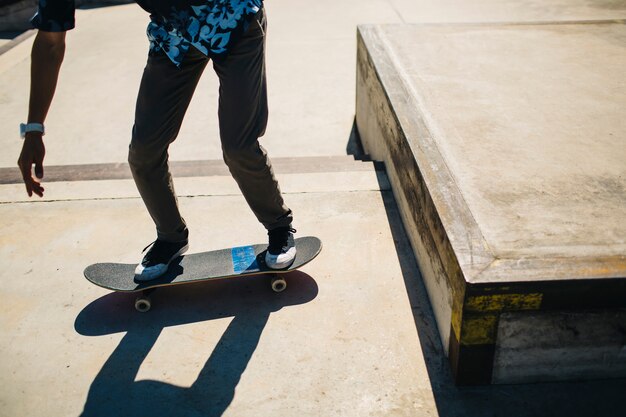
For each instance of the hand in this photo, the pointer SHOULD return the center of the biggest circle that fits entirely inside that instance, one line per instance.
(33, 152)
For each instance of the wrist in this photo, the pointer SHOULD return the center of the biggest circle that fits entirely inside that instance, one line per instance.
(33, 136)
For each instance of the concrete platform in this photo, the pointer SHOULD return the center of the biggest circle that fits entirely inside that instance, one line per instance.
(504, 144)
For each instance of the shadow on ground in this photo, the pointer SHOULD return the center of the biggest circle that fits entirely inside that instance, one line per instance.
(114, 392)
(10, 34)
(572, 399)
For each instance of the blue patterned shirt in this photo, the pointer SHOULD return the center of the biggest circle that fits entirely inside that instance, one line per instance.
(211, 26)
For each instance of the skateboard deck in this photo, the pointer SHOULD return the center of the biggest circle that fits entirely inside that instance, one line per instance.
(205, 266)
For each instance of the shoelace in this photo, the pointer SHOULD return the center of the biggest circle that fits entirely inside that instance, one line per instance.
(149, 244)
(157, 251)
(278, 237)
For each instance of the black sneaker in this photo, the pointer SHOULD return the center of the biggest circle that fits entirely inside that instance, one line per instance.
(281, 251)
(156, 261)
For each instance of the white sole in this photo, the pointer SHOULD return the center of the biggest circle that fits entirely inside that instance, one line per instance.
(281, 265)
(142, 276)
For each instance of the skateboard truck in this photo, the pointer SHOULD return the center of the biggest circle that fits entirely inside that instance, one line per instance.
(143, 303)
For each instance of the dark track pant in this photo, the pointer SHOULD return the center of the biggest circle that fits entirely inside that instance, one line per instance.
(164, 96)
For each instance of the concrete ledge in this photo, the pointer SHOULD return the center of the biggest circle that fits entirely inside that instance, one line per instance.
(511, 195)
(196, 178)
(15, 15)
(294, 183)
(198, 168)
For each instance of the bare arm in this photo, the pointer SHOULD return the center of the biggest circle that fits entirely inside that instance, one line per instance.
(46, 58)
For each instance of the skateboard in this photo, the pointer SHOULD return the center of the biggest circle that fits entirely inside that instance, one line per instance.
(243, 261)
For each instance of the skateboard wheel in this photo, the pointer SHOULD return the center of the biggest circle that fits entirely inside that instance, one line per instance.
(142, 304)
(279, 284)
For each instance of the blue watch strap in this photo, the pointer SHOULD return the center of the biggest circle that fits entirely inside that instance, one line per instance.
(31, 127)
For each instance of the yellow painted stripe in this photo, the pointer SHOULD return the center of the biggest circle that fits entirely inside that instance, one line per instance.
(457, 315)
(500, 302)
(479, 330)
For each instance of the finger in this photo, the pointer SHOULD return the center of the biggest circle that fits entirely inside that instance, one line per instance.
(26, 177)
(25, 168)
(30, 186)
(37, 188)
(39, 191)
(39, 170)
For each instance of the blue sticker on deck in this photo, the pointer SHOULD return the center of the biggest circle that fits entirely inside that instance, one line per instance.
(243, 259)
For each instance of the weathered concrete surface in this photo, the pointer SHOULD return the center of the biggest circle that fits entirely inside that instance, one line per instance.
(550, 120)
(346, 339)
(504, 144)
(340, 341)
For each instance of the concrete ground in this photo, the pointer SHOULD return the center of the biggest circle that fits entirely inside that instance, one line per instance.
(353, 335)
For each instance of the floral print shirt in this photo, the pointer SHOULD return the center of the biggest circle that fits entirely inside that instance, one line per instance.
(211, 26)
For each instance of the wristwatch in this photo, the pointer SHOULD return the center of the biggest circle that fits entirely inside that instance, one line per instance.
(31, 127)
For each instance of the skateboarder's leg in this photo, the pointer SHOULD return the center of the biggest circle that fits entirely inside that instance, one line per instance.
(163, 98)
(243, 117)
